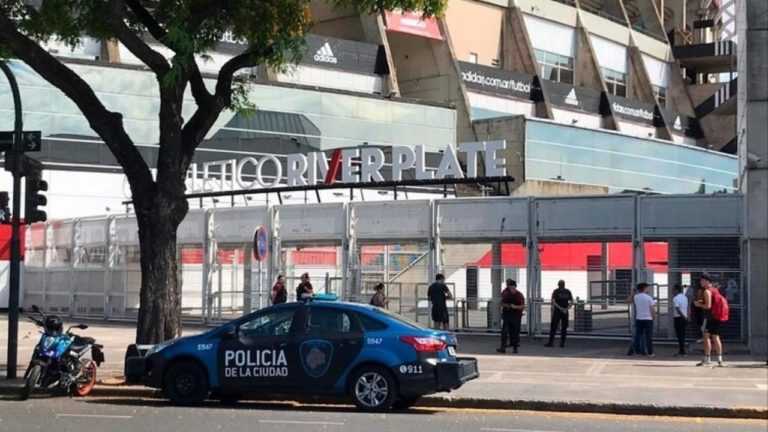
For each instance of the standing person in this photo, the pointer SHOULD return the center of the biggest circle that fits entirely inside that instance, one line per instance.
(379, 299)
(512, 306)
(562, 302)
(711, 327)
(279, 293)
(305, 287)
(644, 315)
(438, 293)
(697, 313)
(680, 303)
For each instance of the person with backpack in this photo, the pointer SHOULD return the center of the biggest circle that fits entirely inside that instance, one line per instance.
(716, 312)
(379, 299)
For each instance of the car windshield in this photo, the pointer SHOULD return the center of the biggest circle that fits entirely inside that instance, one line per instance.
(399, 318)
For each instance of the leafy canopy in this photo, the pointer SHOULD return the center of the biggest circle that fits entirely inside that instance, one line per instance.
(190, 27)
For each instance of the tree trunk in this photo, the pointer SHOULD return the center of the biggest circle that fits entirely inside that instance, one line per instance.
(160, 295)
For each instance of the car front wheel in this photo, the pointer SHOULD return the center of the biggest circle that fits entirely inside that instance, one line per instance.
(373, 389)
(186, 384)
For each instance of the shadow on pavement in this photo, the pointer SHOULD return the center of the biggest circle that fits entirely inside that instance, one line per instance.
(248, 405)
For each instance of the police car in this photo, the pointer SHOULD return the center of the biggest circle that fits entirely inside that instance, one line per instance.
(379, 359)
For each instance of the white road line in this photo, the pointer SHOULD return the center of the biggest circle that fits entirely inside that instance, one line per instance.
(297, 422)
(762, 386)
(102, 416)
(513, 430)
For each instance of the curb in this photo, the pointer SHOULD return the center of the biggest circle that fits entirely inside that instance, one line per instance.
(102, 390)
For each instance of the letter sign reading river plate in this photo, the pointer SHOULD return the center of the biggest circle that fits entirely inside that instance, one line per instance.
(260, 243)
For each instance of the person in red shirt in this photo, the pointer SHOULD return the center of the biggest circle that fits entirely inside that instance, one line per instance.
(512, 306)
(279, 293)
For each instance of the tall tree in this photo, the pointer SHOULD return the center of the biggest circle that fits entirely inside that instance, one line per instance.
(274, 31)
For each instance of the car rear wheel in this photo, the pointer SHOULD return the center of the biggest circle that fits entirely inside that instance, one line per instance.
(186, 384)
(373, 389)
(405, 402)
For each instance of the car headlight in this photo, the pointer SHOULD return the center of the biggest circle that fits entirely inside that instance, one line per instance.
(159, 347)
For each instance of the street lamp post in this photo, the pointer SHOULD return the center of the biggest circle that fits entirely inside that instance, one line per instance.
(14, 157)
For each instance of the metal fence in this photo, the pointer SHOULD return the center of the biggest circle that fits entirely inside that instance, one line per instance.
(600, 246)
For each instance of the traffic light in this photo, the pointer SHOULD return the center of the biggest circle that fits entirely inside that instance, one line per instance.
(5, 212)
(33, 172)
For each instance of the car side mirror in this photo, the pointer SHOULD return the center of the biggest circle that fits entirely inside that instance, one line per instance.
(230, 331)
(82, 326)
(35, 309)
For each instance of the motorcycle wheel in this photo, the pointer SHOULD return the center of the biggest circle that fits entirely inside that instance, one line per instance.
(87, 380)
(32, 379)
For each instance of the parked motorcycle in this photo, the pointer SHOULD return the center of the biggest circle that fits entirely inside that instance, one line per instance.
(61, 359)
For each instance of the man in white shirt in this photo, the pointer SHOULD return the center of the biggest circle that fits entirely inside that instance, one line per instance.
(644, 313)
(680, 303)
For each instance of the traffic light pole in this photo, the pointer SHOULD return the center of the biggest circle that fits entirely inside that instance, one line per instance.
(15, 276)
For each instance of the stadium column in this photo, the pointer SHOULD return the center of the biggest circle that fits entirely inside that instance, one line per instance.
(752, 27)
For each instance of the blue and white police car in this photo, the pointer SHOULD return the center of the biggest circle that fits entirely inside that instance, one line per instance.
(378, 358)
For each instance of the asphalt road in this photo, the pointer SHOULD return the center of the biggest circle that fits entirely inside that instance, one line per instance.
(63, 414)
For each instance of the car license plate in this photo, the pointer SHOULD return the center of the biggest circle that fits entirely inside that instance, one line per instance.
(452, 351)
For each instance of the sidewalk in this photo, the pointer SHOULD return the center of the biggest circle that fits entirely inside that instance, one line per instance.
(587, 375)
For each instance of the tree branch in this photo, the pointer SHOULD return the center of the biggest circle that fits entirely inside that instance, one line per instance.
(154, 60)
(107, 124)
(199, 91)
(201, 122)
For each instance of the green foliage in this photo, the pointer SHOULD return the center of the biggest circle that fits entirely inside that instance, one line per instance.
(192, 27)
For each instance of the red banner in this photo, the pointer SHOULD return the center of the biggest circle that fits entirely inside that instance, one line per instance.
(412, 23)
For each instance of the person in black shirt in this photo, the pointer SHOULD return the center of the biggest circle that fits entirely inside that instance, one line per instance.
(437, 293)
(562, 301)
(305, 287)
(512, 305)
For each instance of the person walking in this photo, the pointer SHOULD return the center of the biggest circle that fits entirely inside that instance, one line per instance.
(711, 326)
(680, 314)
(379, 299)
(645, 312)
(562, 302)
(512, 306)
(279, 293)
(438, 293)
(305, 287)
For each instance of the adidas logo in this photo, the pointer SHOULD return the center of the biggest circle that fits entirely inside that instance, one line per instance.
(571, 99)
(325, 55)
(678, 125)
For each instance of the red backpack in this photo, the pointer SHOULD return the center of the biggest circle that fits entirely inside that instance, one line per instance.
(720, 309)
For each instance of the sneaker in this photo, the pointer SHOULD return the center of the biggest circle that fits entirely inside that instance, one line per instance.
(720, 364)
(681, 355)
(501, 350)
(514, 350)
(703, 363)
(548, 345)
(650, 355)
(630, 353)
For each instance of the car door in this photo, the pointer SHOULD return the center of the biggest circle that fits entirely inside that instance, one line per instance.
(263, 353)
(332, 339)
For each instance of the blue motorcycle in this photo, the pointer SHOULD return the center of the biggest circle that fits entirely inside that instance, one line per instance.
(62, 359)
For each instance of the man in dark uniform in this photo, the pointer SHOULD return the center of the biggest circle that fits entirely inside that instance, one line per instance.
(512, 306)
(305, 287)
(562, 301)
(438, 293)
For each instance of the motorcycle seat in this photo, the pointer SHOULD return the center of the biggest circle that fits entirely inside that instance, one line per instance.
(81, 342)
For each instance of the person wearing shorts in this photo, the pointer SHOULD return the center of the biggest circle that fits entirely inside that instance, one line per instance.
(438, 293)
(711, 327)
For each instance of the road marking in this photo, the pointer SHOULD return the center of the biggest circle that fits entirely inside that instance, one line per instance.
(762, 386)
(102, 416)
(297, 422)
(513, 430)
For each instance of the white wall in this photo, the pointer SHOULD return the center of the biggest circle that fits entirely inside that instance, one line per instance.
(583, 119)
(509, 106)
(329, 78)
(636, 129)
